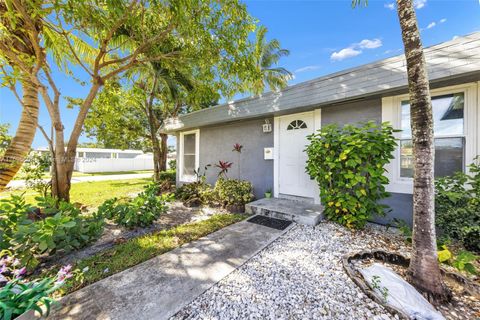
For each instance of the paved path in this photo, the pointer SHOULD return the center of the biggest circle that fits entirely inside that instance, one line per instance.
(160, 287)
(15, 184)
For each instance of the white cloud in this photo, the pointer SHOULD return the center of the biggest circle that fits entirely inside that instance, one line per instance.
(370, 44)
(356, 49)
(419, 4)
(307, 68)
(455, 37)
(431, 25)
(344, 54)
(443, 20)
(390, 6)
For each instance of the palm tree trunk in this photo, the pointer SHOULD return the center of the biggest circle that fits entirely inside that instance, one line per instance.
(424, 270)
(21, 143)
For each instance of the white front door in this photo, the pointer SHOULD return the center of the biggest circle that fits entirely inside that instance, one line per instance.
(293, 131)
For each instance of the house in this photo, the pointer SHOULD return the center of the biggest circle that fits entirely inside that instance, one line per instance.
(273, 127)
(110, 160)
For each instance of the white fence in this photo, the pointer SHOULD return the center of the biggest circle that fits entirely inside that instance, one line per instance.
(112, 165)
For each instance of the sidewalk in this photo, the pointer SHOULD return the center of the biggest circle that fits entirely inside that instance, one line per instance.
(16, 184)
(160, 287)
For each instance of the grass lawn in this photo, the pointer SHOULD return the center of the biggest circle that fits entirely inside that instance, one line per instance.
(93, 193)
(137, 250)
(82, 174)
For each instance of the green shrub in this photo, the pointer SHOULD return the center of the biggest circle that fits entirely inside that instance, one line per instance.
(233, 192)
(457, 207)
(348, 165)
(33, 170)
(61, 227)
(140, 211)
(195, 193)
(169, 175)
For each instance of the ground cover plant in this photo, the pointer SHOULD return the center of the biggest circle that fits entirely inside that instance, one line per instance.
(18, 295)
(29, 232)
(140, 211)
(348, 164)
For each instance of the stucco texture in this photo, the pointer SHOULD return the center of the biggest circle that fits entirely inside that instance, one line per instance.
(216, 143)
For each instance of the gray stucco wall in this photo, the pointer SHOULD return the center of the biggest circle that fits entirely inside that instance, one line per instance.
(216, 143)
(363, 110)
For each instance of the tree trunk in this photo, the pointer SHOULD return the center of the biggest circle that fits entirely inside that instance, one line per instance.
(163, 159)
(21, 143)
(424, 270)
(157, 156)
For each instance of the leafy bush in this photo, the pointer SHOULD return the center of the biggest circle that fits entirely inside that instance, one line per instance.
(61, 228)
(172, 164)
(233, 192)
(348, 164)
(140, 211)
(195, 193)
(18, 296)
(457, 207)
(167, 180)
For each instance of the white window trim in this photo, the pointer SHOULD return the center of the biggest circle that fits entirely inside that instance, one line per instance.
(182, 177)
(391, 112)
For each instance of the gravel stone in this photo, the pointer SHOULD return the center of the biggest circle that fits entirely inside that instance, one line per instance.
(299, 276)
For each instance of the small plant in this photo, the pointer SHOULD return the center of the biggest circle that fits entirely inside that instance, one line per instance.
(348, 164)
(140, 211)
(33, 172)
(376, 285)
(268, 193)
(463, 261)
(167, 180)
(223, 166)
(404, 228)
(457, 207)
(172, 164)
(232, 192)
(237, 147)
(18, 296)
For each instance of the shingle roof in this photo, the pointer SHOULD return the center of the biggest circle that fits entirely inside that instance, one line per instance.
(447, 60)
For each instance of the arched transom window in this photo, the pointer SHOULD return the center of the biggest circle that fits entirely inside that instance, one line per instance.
(297, 124)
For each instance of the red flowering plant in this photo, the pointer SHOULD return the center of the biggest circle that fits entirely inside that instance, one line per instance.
(237, 147)
(223, 166)
(18, 295)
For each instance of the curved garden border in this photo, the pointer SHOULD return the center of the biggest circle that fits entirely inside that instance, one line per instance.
(396, 259)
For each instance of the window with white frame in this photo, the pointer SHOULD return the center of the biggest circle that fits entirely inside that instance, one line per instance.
(189, 160)
(456, 121)
(448, 119)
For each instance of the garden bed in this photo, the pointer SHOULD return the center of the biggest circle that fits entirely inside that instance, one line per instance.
(114, 234)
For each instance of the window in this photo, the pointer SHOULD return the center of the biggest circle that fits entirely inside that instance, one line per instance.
(448, 117)
(189, 161)
(297, 124)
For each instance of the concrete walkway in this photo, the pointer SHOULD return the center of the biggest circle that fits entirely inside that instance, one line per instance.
(16, 184)
(160, 287)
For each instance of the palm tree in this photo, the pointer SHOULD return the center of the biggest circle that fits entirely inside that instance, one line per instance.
(21, 27)
(424, 271)
(267, 54)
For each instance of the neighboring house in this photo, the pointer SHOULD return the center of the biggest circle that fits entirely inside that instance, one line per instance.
(376, 91)
(110, 160)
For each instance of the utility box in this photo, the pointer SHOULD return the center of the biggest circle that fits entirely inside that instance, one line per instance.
(268, 153)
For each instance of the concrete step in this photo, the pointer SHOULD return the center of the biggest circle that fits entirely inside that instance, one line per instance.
(297, 211)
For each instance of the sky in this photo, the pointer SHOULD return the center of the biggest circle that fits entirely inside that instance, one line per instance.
(323, 37)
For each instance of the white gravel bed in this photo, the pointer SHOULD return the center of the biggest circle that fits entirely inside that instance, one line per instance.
(299, 276)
